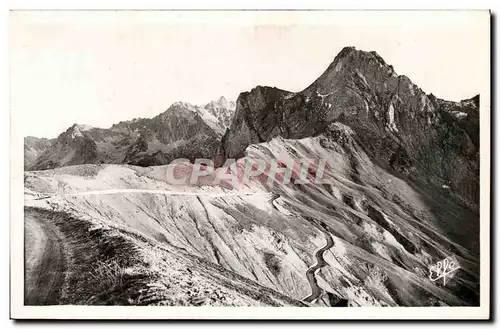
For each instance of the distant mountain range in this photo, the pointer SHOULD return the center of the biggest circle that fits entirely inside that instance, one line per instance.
(182, 130)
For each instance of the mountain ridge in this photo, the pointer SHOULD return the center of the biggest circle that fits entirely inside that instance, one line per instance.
(397, 123)
(398, 197)
(416, 134)
(142, 141)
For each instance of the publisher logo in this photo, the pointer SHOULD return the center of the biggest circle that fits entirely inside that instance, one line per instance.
(443, 270)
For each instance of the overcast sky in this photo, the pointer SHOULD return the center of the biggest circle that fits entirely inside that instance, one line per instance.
(99, 68)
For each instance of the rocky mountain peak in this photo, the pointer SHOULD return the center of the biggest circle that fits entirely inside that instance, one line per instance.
(221, 102)
(397, 123)
(183, 130)
(364, 68)
(76, 130)
(357, 57)
(180, 105)
(71, 133)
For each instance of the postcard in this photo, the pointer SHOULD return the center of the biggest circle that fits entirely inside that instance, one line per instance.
(250, 164)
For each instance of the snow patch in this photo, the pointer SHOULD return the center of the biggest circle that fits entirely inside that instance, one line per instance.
(338, 67)
(390, 118)
(410, 88)
(280, 205)
(362, 77)
(367, 107)
(323, 95)
(459, 115)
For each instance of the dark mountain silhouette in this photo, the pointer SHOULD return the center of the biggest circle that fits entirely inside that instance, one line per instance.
(401, 127)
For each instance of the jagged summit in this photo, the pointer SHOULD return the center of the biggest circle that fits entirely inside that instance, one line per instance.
(217, 114)
(76, 130)
(352, 54)
(81, 126)
(180, 104)
(350, 63)
(397, 122)
(222, 101)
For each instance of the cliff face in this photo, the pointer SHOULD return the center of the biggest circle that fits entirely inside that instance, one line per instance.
(398, 124)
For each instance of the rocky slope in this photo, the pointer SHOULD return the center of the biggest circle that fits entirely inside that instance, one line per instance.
(399, 125)
(371, 235)
(33, 148)
(183, 130)
(401, 193)
(136, 270)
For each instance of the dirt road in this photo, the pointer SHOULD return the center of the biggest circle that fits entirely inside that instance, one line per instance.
(44, 262)
(311, 272)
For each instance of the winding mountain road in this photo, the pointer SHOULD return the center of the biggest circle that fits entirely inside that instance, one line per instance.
(154, 191)
(44, 262)
(311, 272)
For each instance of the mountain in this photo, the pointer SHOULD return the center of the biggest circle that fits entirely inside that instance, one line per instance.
(183, 130)
(33, 148)
(366, 238)
(400, 195)
(399, 125)
(218, 114)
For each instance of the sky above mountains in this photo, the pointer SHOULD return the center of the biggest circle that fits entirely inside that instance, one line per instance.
(99, 68)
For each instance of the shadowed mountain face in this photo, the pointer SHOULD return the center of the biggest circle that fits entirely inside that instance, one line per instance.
(184, 130)
(402, 128)
(33, 148)
(401, 194)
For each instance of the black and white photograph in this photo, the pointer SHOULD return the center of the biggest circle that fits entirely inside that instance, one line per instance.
(250, 164)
